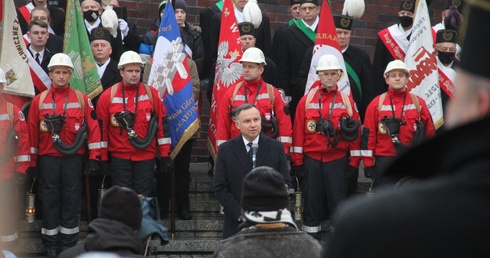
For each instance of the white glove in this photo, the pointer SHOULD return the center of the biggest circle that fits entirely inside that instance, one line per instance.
(110, 20)
(252, 13)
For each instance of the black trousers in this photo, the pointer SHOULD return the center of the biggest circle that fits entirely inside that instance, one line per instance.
(61, 188)
(137, 175)
(325, 182)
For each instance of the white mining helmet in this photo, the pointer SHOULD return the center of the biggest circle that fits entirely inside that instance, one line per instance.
(328, 62)
(129, 57)
(253, 55)
(60, 59)
(396, 65)
(2, 76)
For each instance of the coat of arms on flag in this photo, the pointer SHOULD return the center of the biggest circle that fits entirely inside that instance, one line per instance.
(228, 69)
(171, 77)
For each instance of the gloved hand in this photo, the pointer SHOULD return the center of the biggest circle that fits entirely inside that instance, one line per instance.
(34, 172)
(19, 179)
(297, 171)
(351, 172)
(92, 168)
(370, 172)
(105, 167)
(166, 164)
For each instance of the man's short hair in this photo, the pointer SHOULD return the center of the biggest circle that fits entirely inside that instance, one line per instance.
(243, 107)
(38, 22)
(42, 8)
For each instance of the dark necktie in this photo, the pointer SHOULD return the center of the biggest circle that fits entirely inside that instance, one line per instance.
(37, 58)
(250, 150)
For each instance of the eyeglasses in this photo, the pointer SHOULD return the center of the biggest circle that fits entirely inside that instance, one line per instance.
(308, 8)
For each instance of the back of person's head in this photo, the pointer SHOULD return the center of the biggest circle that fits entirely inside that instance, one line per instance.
(264, 189)
(121, 204)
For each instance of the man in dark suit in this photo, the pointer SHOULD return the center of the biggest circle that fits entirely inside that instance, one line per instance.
(295, 40)
(233, 163)
(55, 42)
(57, 16)
(443, 211)
(38, 35)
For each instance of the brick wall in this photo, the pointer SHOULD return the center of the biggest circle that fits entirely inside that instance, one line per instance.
(379, 14)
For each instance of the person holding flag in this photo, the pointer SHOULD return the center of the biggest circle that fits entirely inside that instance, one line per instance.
(227, 69)
(392, 44)
(326, 130)
(171, 76)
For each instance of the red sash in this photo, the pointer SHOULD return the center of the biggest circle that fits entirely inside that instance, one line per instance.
(39, 77)
(391, 44)
(26, 14)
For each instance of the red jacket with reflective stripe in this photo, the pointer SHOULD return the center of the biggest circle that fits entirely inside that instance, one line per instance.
(379, 142)
(41, 140)
(19, 161)
(226, 129)
(116, 137)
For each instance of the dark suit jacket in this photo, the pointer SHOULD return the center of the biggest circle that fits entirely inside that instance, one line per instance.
(232, 164)
(292, 50)
(205, 17)
(55, 43)
(110, 77)
(44, 63)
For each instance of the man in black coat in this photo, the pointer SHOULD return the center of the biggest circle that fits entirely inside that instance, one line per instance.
(233, 163)
(439, 208)
(295, 40)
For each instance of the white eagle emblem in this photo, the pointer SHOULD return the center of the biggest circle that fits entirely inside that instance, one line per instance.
(164, 71)
(228, 71)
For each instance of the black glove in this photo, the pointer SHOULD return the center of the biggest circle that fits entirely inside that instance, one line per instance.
(166, 164)
(105, 167)
(370, 172)
(351, 172)
(92, 168)
(34, 173)
(297, 171)
(19, 179)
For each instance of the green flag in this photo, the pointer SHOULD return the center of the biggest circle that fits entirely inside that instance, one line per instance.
(77, 45)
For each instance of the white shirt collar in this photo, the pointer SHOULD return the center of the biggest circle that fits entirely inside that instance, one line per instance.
(245, 141)
(41, 54)
(313, 26)
(91, 27)
(238, 15)
(101, 69)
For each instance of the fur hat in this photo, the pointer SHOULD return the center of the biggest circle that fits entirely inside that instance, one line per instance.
(121, 204)
(264, 189)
